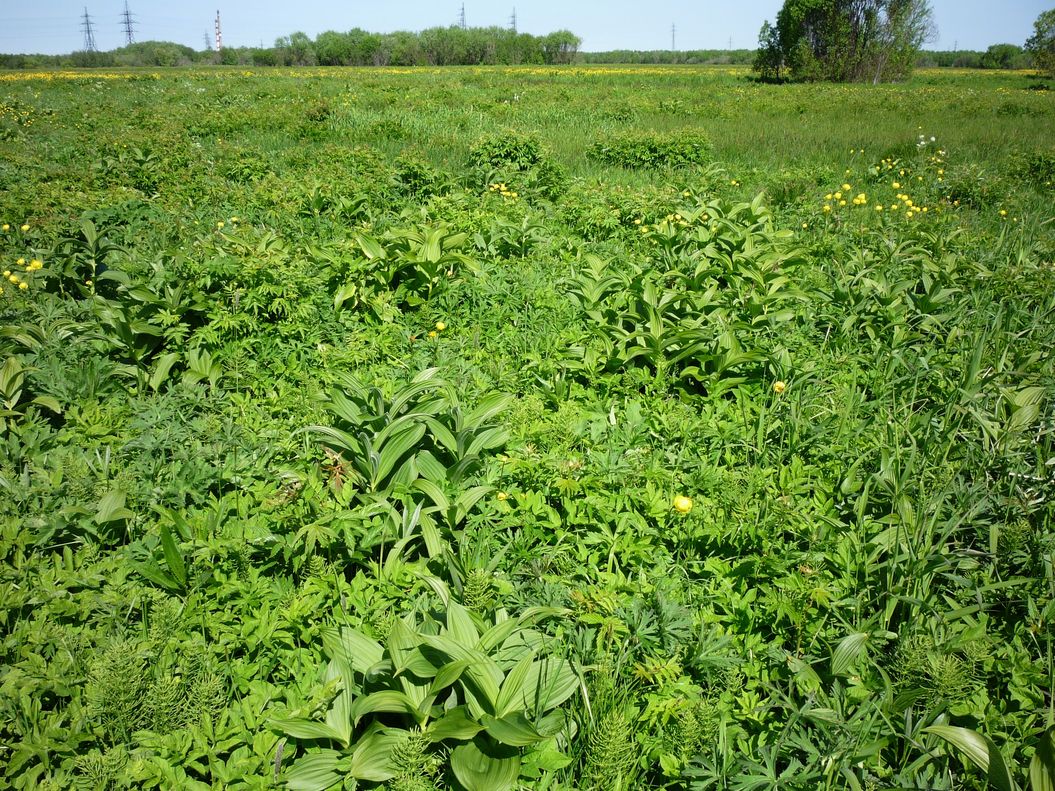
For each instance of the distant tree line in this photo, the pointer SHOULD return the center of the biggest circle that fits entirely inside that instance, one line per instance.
(431, 47)
(741, 57)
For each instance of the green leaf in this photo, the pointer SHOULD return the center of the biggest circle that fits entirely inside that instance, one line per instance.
(314, 772)
(161, 370)
(460, 625)
(549, 682)
(455, 724)
(513, 729)
(370, 246)
(510, 697)
(373, 756)
(111, 508)
(847, 652)
(394, 449)
(173, 556)
(385, 701)
(1042, 767)
(980, 750)
(305, 729)
(480, 766)
(358, 650)
(48, 402)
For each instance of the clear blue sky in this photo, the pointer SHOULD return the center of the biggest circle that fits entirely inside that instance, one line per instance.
(53, 26)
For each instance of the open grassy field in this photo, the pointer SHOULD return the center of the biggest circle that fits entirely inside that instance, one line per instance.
(526, 428)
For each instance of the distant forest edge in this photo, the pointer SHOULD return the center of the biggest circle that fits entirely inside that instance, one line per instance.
(447, 47)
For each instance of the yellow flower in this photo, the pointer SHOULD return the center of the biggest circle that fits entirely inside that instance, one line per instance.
(828, 196)
(503, 496)
(779, 387)
(219, 224)
(686, 194)
(896, 185)
(826, 208)
(23, 286)
(847, 187)
(682, 504)
(234, 219)
(432, 333)
(5, 227)
(879, 207)
(1003, 212)
(837, 195)
(25, 227)
(842, 203)
(440, 326)
(7, 273)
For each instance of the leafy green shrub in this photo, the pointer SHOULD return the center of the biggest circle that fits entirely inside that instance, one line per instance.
(508, 151)
(1037, 167)
(652, 150)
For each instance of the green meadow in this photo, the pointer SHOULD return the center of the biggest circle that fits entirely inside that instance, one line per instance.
(588, 427)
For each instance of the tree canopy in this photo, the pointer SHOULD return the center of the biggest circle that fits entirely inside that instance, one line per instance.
(1041, 45)
(844, 40)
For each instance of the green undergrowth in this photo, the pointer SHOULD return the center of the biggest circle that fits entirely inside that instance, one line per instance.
(525, 429)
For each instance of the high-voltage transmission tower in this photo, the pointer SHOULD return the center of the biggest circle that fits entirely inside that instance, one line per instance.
(513, 20)
(128, 22)
(219, 34)
(89, 34)
(461, 18)
(673, 32)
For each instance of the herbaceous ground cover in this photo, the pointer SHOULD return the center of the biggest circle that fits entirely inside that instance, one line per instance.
(590, 428)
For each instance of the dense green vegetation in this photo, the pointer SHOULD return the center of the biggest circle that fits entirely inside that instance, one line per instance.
(492, 428)
(439, 46)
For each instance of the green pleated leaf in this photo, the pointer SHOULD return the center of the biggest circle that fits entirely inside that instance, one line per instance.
(455, 724)
(314, 772)
(980, 750)
(847, 652)
(1042, 767)
(305, 729)
(480, 766)
(513, 729)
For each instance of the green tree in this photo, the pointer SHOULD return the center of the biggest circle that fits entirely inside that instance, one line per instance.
(1003, 56)
(846, 40)
(560, 46)
(1041, 45)
(768, 59)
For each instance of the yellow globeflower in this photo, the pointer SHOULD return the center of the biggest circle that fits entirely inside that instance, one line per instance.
(826, 208)
(682, 504)
(219, 224)
(503, 496)
(23, 286)
(432, 333)
(847, 187)
(879, 207)
(837, 195)
(25, 227)
(779, 387)
(7, 273)
(440, 326)
(5, 227)
(896, 185)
